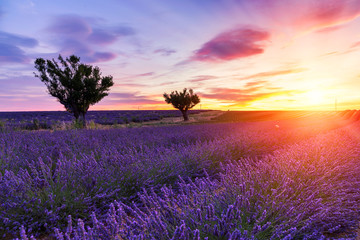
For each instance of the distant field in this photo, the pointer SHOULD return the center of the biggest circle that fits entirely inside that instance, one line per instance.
(57, 119)
(244, 116)
(275, 175)
(53, 119)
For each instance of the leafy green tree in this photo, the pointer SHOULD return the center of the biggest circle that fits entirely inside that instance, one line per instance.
(74, 84)
(183, 101)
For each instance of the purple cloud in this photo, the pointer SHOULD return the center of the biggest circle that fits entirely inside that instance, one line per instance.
(77, 35)
(17, 40)
(102, 56)
(10, 51)
(85, 52)
(12, 54)
(72, 46)
(70, 25)
(124, 31)
(102, 37)
(237, 43)
(105, 37)
(165, 51)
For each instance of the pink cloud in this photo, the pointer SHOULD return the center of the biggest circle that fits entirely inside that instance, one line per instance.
(230, 45)
(333, 12)
(255, 83)
(356, 45)
(202, 78)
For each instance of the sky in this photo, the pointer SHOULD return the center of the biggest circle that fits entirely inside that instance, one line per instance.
(235, 54)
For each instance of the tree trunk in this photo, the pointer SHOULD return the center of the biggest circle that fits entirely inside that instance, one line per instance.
(76, 115)
(84, 119)
(185, 115)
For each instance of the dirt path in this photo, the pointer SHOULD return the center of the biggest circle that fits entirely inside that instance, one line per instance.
(193, 118)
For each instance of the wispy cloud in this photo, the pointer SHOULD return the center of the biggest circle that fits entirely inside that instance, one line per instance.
(273, 73)
(167, 83)
(255, 83)
(356, 45)
(130, 98)
(330, 29)
(130, 85)
(147, 74)
(201, 78)
(165, 51)
(242, 96)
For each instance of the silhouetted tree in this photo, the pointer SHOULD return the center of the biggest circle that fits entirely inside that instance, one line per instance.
(183, 101)
(74, 84)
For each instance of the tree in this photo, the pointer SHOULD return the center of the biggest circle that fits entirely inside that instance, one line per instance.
(74, 84)
(183, 101)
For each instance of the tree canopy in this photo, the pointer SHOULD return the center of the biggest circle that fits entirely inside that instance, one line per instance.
(183, 101)
(76, 85)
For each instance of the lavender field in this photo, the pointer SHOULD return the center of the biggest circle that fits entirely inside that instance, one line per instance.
(269, 179)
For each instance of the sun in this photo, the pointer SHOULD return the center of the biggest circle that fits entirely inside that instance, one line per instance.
(314, 97)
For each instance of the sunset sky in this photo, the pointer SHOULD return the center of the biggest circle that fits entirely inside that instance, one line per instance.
(236, 54)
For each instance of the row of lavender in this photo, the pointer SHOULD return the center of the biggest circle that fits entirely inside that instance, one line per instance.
(47, 176)
(47, 120)
(309, 190)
